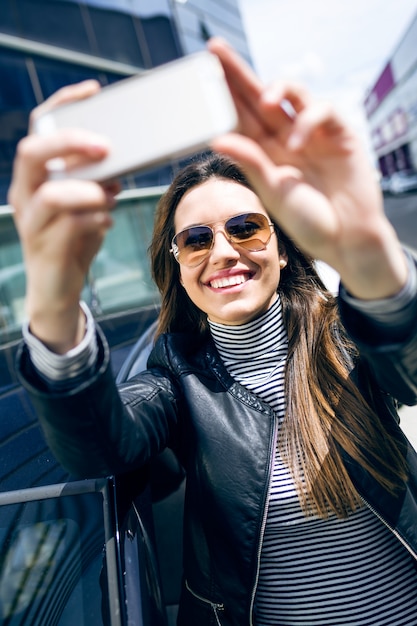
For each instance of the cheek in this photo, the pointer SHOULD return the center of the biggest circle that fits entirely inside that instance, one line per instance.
(188, 280)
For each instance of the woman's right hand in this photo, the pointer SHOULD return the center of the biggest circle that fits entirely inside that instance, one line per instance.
(315, 178)
(61, 223)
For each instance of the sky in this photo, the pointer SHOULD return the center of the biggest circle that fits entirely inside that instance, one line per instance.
(336, 48)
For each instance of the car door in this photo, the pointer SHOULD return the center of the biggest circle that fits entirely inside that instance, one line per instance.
(76, 552)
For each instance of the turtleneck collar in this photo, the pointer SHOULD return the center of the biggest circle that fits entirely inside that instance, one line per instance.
(265, 334)
(255, 354)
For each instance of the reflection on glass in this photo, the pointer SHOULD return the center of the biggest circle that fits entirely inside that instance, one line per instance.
(52, 562)
(30, 565)
(12, 278)
(40, 568)
(120, 277)
(57, 23)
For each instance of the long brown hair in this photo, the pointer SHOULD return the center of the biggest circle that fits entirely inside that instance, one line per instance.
(326, 415)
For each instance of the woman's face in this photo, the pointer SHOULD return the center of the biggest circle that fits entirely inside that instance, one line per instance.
(232, 285)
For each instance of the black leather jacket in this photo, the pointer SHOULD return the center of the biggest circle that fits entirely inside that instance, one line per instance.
(224, 436)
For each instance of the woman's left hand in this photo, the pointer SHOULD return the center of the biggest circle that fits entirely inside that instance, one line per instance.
(314, 177)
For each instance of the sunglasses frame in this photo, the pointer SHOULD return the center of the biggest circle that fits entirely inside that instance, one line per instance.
(176, 252)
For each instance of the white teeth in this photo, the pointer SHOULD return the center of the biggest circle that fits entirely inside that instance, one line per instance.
(230, 281)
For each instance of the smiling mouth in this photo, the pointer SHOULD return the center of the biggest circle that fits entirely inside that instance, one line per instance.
(229, 281)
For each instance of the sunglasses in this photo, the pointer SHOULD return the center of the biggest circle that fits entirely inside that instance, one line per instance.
(251, 231)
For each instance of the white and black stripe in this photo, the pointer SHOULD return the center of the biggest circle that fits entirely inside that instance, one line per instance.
(314, 571)
(255, 354)
(62, 372)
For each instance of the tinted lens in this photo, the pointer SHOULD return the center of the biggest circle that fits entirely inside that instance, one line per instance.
(250, 230)
(193, 244)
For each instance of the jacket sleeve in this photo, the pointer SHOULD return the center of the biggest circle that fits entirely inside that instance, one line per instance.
(390, 349)
(98, 429)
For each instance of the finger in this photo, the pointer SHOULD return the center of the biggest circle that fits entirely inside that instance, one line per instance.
(69, 238)
(280, 103)
(248, 120)
(255, 115)
(251, 157)
(244, 85)
(33, 153)
(289, 97)
(69, 93)
(320, 122)
(71, 197)
(241, 78)
(112, 187)
(90, 224)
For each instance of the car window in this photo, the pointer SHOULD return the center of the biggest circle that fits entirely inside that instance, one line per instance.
(12, 276)
(119, 278)
(53, 566)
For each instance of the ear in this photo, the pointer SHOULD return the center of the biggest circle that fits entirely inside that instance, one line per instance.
(283, 257)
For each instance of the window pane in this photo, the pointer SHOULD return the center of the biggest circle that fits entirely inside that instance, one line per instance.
(220, 12)
(54, 22)
(120, 276)
(53, 74)
(116, 36)
(154, 177)
(52, 561)
(16, 101)
(15, 86)
(8, 22)
(12, 279)
(161, 40)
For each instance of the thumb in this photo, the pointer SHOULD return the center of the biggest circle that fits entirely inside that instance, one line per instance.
(257, 166)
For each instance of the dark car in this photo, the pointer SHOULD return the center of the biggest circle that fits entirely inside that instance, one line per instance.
(94, 552)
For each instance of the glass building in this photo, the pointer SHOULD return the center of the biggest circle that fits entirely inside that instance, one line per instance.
(45, 44)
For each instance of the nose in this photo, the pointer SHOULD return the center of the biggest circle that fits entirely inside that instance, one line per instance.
(222, 248)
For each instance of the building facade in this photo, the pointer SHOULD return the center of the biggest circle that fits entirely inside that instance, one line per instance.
(391, 108)
(45, 44)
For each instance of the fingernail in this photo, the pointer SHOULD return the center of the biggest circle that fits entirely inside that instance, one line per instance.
(111, 199)
(97, 146)
(294, 141)
(95, 149)
(271, 95)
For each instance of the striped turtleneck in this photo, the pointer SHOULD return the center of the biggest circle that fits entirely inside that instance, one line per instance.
(255, 354)
(313, 571)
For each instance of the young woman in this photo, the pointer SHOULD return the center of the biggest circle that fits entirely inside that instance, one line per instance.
(278, 399)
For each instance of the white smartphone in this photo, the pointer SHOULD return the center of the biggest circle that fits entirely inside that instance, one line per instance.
(168, 112)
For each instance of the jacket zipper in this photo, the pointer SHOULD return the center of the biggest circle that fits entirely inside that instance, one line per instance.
(216, 606)
(265, 515)
(394, 532)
